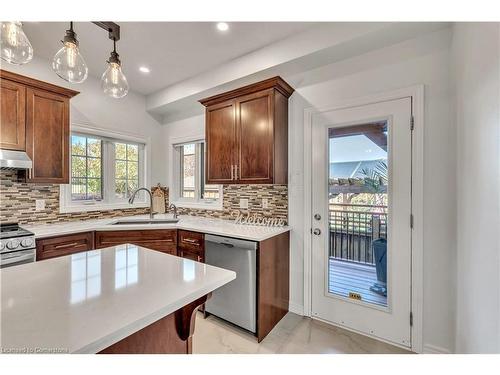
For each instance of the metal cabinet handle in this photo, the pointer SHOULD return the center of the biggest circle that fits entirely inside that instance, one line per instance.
(190, 240)
(236, 171)
(232, 172)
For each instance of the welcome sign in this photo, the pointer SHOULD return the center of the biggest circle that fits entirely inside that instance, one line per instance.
(256, 219)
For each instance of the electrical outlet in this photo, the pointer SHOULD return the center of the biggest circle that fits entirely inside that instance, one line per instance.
(243, 203)
(265, 203)
(39, 204)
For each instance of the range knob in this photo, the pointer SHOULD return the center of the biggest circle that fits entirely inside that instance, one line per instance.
(27, 242)
(13, 244)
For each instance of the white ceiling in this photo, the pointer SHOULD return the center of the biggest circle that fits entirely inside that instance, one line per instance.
(174, 51)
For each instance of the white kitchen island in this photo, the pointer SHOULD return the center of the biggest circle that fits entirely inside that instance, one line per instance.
(121, 299)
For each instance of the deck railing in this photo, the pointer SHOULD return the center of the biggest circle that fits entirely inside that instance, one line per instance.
(353, 228)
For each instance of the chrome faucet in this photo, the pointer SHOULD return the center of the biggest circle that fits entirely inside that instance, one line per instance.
(174, 207)
(132, 198)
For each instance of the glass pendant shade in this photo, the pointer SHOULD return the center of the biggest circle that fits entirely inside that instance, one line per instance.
(15, 46)
(69, 64)
(113, 81)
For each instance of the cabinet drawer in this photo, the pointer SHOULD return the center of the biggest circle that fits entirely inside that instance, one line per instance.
(191, 241)
(47, 248)
(193, 255)
(160, 240)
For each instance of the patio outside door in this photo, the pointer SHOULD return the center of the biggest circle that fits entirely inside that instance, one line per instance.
(361, 205)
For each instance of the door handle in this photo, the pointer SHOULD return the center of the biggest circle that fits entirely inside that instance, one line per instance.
(317, 217)
(317, 231)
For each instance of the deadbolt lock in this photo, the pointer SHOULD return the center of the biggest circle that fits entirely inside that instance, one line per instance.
(317, 232)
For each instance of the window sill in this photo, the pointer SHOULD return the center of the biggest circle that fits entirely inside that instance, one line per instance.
(99, 207)
(199, 205)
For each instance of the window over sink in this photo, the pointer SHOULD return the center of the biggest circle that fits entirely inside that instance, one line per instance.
(189, 188)
(105, 171)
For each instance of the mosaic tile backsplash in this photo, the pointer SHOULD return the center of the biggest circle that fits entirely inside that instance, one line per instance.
(17, 203)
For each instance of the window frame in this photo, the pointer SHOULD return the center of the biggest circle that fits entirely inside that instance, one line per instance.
(109, 201)
(175, 176)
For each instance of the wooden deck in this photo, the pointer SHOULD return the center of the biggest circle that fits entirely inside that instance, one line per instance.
(348, 277)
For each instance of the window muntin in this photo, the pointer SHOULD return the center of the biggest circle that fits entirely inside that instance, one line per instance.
(86, 168)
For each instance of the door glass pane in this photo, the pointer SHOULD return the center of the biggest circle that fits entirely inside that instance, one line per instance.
(357, 205)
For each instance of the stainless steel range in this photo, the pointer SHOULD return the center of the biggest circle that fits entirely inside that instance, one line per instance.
(17, 245)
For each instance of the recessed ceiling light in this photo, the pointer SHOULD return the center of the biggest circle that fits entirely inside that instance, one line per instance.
(222, 26)
(144, 69)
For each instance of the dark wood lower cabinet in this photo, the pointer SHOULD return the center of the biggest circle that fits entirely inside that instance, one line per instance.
(273, 282)
(52, 247)
(273, 275)
(191, 245)
(164, 240)
(169, 335)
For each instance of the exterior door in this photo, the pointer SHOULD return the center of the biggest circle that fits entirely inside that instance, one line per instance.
(361, 202)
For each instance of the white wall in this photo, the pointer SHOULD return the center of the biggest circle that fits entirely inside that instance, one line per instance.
(92, 107)
(477, 76)
(425, 60)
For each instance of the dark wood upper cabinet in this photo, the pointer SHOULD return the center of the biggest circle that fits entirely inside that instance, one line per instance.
(13, 115)
(35, 118)
(221, 143)
(247, 134)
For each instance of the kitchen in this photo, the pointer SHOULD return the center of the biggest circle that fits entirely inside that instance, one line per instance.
(242, 189)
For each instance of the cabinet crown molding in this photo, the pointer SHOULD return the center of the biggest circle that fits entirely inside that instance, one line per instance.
(32, 82)
(276, 83)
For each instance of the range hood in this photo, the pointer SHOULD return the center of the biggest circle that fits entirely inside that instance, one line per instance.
(14, 160)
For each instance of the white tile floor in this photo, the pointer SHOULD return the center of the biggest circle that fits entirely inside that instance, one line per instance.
(294, 334)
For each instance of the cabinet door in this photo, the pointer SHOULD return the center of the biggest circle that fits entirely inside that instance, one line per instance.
(255, 138)
(160, 240)
(47, 248)
(220, 133)
(12, 115)
(47, 136)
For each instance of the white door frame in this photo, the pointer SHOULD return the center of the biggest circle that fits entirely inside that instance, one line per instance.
(417, 186)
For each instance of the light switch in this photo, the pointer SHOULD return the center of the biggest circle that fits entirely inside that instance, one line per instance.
(39, 204)
(243, 203)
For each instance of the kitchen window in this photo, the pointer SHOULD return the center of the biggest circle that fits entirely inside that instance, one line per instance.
(190, 189)
(105, 171)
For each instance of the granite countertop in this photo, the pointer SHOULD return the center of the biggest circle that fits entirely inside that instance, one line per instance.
(197, 224)
(85, 302)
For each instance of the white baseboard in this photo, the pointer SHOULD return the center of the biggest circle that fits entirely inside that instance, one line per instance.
(432, 349)
(296, 308)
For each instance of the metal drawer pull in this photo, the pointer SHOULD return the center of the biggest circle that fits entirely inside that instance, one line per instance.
(67, 245)
(190, 240)
(232, 172)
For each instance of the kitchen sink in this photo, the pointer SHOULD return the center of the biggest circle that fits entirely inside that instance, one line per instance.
(144, 221)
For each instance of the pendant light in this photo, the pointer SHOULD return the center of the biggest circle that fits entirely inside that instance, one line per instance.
(15, 46)
(113, 81)
(68, 63)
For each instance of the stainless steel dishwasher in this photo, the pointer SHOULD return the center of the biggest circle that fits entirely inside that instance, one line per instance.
(235, 301)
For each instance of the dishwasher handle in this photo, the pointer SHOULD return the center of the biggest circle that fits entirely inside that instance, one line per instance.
(231, 242)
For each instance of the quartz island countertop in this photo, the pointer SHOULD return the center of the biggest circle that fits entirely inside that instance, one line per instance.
(85, 302)
(198, 224)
